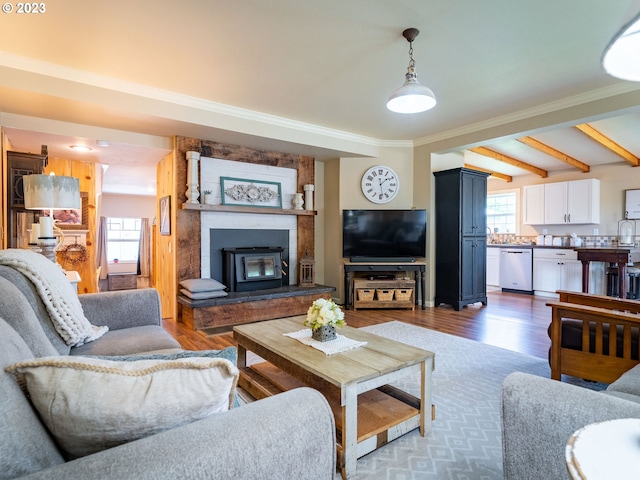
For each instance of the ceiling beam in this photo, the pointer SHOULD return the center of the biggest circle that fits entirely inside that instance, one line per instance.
(510, 160)
(557, 154)
(609, 144)
(501, 176)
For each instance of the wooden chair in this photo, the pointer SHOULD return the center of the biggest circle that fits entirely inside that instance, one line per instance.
(594, 337)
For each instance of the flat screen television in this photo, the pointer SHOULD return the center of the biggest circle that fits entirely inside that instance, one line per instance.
(384, 235)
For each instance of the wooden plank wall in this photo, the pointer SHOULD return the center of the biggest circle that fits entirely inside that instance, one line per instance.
(306, 233)
(187, 255)
(5, 146)
(164, 251)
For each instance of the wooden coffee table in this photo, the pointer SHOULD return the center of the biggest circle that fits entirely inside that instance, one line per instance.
(368, 412)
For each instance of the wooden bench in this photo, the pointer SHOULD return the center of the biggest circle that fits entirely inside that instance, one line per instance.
(594, 337)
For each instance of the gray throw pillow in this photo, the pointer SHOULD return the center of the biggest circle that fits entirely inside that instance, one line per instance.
(202, 285)
(229, 353)
(203, 295)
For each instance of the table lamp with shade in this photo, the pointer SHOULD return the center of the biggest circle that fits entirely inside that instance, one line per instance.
(49, 192)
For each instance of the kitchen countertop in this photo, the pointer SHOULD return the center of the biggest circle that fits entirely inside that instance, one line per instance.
(605, 249)
(515, 245)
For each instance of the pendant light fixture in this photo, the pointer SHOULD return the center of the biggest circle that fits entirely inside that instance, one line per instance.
(621, 58)
(411, 97)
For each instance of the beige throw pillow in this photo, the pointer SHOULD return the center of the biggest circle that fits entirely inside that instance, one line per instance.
(91, 404)
(196, 285)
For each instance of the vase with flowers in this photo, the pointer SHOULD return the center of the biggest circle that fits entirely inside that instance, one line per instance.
(323, 317)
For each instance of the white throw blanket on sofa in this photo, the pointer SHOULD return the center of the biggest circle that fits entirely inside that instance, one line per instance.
(57, 294)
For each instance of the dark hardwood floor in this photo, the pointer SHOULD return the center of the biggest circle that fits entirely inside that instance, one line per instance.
(512, 321)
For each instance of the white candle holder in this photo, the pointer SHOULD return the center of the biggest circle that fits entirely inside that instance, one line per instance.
(35, 248)
(48, 246)
(192, 192)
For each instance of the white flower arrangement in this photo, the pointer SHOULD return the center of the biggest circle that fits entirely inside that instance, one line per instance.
(324, 312)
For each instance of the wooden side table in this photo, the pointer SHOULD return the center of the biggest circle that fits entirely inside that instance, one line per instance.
(605, 450)
(619, 256)
(73, 277)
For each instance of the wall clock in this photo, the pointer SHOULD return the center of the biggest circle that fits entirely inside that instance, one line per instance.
(380, 184)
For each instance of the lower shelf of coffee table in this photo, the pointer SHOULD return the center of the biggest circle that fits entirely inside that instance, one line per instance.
(384, 414)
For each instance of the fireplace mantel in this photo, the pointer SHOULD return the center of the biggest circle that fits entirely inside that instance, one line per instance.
(235, 209)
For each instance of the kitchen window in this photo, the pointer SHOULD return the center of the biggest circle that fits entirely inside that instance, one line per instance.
(502, 211)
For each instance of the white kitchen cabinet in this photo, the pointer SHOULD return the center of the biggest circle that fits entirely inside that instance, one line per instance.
(575, 202)
(555, 203)
(533, 205)
(556, 269)
(493, 267)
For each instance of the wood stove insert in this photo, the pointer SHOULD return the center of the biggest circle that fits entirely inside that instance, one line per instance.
(253, 268)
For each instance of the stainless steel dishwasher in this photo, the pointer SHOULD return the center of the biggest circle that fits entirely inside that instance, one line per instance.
(516, 270)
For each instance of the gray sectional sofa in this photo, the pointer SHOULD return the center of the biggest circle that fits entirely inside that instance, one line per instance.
(291, 435)
(539, 415)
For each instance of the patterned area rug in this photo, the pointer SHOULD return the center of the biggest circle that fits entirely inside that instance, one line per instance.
(466, 439)
(465, 443)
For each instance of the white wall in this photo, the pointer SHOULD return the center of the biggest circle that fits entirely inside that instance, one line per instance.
(128, 206)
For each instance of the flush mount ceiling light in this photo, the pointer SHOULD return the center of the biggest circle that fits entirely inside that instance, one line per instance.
(80, 148)
(411, 97)
(621, 58)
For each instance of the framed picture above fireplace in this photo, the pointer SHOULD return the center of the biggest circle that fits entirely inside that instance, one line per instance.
(254, 193)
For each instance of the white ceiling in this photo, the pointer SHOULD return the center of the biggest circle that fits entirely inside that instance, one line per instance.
(312, 77)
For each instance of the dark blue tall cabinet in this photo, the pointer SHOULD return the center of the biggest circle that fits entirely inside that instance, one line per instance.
(461, 237)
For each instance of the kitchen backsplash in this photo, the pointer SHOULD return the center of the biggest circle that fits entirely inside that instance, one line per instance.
(598, 241)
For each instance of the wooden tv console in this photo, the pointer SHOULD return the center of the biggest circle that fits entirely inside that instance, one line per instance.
(379, 268)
